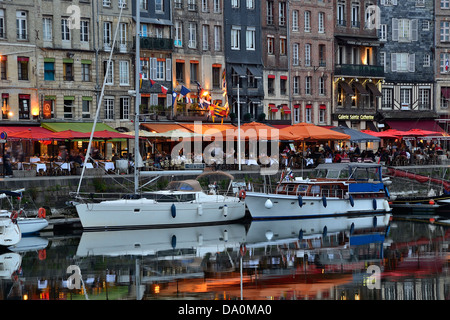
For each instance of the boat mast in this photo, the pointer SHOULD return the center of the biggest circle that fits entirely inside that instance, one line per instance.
(137, 98)
(108, 66)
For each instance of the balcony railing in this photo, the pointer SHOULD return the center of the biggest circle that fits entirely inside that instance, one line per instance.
(156, 43)
(359, 70)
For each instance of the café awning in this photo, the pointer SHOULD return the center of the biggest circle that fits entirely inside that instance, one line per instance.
(347, 88)
(162, 127)
(76, 126)
(373, 88)
(407, 125)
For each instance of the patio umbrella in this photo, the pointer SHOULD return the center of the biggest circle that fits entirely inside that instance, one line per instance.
(106, 134)
(309, 131)
(177, 133)
(259, 131)
(355, 135)
(381, 134)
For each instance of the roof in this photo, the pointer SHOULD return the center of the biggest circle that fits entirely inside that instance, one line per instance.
(185, 185)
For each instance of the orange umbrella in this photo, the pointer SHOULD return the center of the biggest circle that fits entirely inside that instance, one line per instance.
(258, 130)
(309, 131)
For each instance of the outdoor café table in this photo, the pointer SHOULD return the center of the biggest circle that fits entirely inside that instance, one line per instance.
(39, 166)
(89, 165)
(34, 159)
(63, 166)
(251, 162)
(108, 165)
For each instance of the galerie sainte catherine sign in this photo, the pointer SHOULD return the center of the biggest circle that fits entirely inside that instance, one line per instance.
(355, 117)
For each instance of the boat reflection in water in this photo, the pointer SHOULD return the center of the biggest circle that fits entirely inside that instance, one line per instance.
(320, 259)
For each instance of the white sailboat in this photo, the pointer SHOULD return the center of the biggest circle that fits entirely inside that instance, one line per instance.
(184, 204)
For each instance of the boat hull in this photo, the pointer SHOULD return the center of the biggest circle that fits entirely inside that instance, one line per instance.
(144, 213)
(9, 232)
(31, 225)
(287, 206)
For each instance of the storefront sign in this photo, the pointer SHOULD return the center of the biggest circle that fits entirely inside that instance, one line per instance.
(47, 110)
(355, 117)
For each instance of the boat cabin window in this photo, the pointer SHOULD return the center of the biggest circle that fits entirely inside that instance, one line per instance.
(332, 174)
(185, 197)
(302, 188)
(365, 174)
(290, 188)
(315, 189)
(281, 188)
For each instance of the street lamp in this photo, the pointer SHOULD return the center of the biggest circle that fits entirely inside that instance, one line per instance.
(239, 121)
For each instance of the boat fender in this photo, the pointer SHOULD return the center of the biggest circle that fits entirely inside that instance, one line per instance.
(300, 234)
(225, 235)
(173, 209)
(352, 202)
(352, 228)
(388, 228)
(386, 206)
(374, 222)
(374, 203)
(174, 241)
(200, 210)
(325, 231)
(42, 212)
(300, 201)
(268, 204)
(225, 210)
(324, 201)
(242, 194)
(42, 254)
(242, 250)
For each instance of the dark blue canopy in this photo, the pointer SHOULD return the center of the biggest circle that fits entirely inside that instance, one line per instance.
(355, 135)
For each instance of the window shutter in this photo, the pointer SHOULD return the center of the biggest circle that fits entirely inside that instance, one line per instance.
(168, 69)
(394, 2)
(394, 29)
(414, 31)
(393, 62)
(382, 2)
(412, 62)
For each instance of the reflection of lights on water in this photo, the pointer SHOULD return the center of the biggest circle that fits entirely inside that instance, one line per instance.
(25, 297)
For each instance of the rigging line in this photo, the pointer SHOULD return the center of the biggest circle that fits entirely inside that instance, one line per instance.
(108, 66)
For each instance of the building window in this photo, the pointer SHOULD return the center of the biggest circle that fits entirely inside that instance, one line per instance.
(159, 6)
(217, 6)
(424, 99)
(65, 30)
(295, 54)
(107, 3)
(283, 87)
(160, 69)
(308, 81)
(321, 22)
(205, 37)
(143, 4)
(445, 31)
(322, 113)
(321, 86)
(3, 67)
(21, 24)
(383, 32)
(179, 71)
(144, 68)
(68, 70)
(405, 98)
(444, 62)
(124, 73)
(192, 35)
(68, 107)
(251, 38)
(307, 55)
(444, 100)
(283, 46)
(250, 4)
(296, 85)
(24, 106)
(194, 72)
(22, 68)
(402, 62)
(387, 99)
(47, 29)
(322, 55)
(108, 72)
(269, 14)
(235, 3)
(107, 35)
(355, 15)
(86, 107)
(295, 23)
(426, 60)
(124, 108)
(216, 77)
(282, 13)
(109, 108)
(178, 34)
(84, 31)
(49, 71)
(445, 4)
(217, 38)
(235, 38)
(2, 24)
(270, 45)
(341, 13)
(307, 21)
(308, 114)
(271, 85)
(86, 71)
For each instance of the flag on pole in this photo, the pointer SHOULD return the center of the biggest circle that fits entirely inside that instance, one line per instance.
(446, 65)
(174, 97)
(140, 80)
(152, 83)
(163, 89)
(184, 91)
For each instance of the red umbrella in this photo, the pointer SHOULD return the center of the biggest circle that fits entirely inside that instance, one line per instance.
(383, 134)
(106, 134)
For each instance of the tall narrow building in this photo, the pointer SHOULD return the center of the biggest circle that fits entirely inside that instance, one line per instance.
(407, 35)
(243, 56)
(357, 72)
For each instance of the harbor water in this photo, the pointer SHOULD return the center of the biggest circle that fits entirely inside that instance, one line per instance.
(345, 258)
